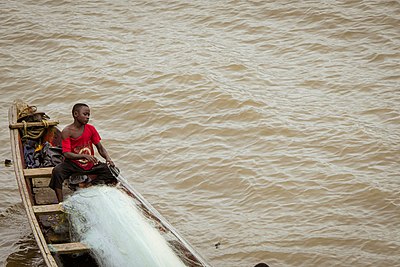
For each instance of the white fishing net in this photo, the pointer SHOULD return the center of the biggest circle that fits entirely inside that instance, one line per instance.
(109, 222)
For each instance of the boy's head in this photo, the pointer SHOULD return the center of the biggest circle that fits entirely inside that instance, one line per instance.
(81, 113)
(77, 107)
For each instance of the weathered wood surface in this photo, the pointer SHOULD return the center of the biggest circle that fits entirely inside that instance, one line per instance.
(46, 195)
(67, 248)
(40, 182)
(47, 209)
(38, 172)
(19, 125)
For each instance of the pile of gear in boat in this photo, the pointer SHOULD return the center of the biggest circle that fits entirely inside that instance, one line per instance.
(37, 152)
(40, 153)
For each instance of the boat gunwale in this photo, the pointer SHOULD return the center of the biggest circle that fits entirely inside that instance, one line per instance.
(26, 197)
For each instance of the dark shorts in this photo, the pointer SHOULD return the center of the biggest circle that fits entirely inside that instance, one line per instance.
(67, 168)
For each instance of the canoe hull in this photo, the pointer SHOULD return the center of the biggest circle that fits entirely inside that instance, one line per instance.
(39, 203)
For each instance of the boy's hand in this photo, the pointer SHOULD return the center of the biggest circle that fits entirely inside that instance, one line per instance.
(91, 158)
(110, 162)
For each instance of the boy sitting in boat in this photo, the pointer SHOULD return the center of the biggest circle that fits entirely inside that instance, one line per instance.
(78, 139)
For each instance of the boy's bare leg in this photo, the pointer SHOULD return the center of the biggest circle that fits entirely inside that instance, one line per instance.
(59, 194)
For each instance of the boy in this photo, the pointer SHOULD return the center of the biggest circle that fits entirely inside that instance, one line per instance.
(78, 139)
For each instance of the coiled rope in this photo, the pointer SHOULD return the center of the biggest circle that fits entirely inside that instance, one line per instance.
(34, 132)
(28, 114)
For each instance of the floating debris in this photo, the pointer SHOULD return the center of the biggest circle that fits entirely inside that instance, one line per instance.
(7, 162)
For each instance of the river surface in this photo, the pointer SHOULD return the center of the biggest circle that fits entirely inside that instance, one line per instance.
(271, 128)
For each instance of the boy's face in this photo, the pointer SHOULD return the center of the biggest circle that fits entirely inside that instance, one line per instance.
(82, 115)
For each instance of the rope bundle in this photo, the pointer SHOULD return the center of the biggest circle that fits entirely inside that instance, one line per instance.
(34, 132)
(25, 114)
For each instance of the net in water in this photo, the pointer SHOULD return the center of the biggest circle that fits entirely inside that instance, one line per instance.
(109, 222)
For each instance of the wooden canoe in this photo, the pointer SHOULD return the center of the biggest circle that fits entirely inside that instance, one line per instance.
(38, 200)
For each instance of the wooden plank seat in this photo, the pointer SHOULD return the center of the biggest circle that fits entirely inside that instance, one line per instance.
(38, 172)
(68, 248)
(47, 209)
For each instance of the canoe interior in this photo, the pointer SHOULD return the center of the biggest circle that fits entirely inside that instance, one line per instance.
(50, 226)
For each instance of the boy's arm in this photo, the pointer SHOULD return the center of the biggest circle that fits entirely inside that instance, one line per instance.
(103, 152)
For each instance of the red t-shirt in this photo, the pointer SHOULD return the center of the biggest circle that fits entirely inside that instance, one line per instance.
(82, 145)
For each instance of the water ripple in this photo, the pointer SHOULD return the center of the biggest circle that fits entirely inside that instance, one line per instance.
(270, 127)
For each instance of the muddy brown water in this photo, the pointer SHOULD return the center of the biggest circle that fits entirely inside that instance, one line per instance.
(269, 127)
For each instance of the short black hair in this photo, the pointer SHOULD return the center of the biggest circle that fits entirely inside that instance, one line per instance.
(77, 107)
(261, 264)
